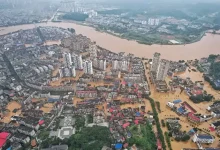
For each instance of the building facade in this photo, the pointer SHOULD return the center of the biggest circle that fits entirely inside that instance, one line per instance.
(162, 69)
(67, 60)
(77, 61)
(155, 62)
(87, 67)
(67, 72)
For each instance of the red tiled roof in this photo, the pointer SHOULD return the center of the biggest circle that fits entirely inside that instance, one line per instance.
(193, 117)
(136, 121)
(3, 138)
(159, 144)
(126, 125)
(197, 92)
(123, 82)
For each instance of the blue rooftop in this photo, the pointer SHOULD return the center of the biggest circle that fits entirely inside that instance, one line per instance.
(205, 136)
(118, 146)
(138, 114)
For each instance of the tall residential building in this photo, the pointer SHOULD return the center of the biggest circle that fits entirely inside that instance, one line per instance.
(124, 65)
(151, 21)
(87, 67)
(93, 50)
(115, 65)
(77, 61)
(120, 65)
(162, 69)
(67, 72)
(102, 64)
(157, 22)
(61, 72)
(67, 59)
(73, 71)
(155, 62)
(99, 63)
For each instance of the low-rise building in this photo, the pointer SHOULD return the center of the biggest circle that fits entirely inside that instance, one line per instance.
(86, 94)
(203, 138)
(26, 130)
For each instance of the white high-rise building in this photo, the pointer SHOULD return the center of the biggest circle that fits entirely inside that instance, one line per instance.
(151, 21)
(77, 61)
(102, 64)
(73, 71)
(157, 22)
(115, 65)
(67, 72)
(99, 63)
(87, 67)
(124, 65)
(93, 51)
(155, 62)
(61, 72)
(163, 69)
(67, 59)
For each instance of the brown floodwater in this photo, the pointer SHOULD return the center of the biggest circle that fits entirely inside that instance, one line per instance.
(209, 44)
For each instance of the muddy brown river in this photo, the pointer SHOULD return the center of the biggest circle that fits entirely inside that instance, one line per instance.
(209, 44)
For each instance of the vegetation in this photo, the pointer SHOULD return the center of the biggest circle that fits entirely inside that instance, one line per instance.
(163, 123)
(112, 12)
(211, 82)
(90, 118)
(50, 141)
(159, 130)
(71, 30)
(75, 16)
(215, 70)
(143, 136)
(168, 140)
(43, 135)
(80, 122)
(201, 98)
(87, 139)
(158, 106)
(90, 139)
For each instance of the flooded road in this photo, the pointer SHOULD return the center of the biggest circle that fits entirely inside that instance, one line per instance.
(209, 44)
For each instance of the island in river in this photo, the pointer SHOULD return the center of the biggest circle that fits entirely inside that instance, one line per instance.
(209, 44)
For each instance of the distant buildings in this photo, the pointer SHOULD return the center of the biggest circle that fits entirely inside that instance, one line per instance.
(162, 69)
(87, 67)
(153, 22)
(76, 42)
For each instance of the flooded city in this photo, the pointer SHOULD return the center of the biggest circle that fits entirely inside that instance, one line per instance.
(209, 44)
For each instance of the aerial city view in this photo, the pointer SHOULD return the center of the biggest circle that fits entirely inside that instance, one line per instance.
(109, 75)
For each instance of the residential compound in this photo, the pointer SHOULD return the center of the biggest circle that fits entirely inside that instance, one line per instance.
(87, 67)
(159, 71)
(122, 65)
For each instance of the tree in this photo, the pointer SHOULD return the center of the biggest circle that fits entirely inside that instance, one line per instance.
(186, 137)
(75, 16)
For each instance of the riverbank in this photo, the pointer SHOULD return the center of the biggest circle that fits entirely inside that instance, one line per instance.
(209, 44)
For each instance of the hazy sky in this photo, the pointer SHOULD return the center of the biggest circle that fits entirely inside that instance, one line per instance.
(163, 1)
